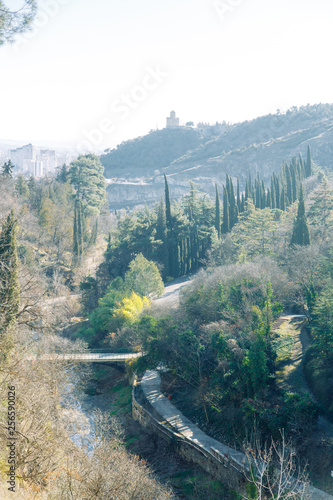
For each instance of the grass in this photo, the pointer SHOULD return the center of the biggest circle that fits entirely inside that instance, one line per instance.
(123, 400)
(285, 342)
(289, 351)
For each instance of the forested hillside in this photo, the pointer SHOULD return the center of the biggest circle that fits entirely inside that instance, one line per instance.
(264, 253)
(258, 146)
(146, 156)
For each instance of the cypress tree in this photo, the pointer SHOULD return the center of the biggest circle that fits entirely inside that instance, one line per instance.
(161, 234)
(301, 234)
(273, 194)
(268, 199)
(217, 213)
(233, 211)
(293, 182)
(225, 223)
(289, 186)
(9, 289)
(94, 233)
(167, 203)
(308, 165)
(243, 203)
(263, 195)
(283, 200)
(258, 193)
(247, 191)
(77, 233)
(238, 197)
(277, 191)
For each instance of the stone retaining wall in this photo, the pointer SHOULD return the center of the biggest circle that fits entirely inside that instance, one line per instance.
(223, 468)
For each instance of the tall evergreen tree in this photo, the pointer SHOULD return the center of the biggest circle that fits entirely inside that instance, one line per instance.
(225, 223)
(21, 187)
(233, 211)
(167, 203)
(301, 234)
(94, 233)
(7, 169)
(217, 213)
(9, 285)
(308, 165)
(77, 233)
(239, 207)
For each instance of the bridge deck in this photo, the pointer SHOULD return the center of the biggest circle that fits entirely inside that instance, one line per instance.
(86, 357)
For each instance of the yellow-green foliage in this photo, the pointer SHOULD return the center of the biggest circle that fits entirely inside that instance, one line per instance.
(131, 308)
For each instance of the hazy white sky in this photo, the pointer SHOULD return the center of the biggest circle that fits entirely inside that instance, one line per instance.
(104, 71)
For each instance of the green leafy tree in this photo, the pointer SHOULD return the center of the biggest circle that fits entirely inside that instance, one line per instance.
(256, 363)
(301, 234)
(321, 211)
(322, 328)
(143, 278)
(86, 176)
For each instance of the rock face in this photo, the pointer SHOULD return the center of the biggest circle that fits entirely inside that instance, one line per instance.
(134, 195)
(257, 146)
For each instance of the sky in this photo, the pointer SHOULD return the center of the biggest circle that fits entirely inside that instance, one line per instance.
(92, 74)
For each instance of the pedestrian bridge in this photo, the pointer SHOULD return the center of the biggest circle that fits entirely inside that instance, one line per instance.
(86, 357)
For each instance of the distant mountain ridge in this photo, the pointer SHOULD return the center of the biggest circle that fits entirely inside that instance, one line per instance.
(259, 145)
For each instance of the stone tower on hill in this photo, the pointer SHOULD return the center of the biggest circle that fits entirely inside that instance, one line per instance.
(172, 121)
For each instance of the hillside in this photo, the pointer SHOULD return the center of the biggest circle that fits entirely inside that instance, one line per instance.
(143, 156)
(259, 145)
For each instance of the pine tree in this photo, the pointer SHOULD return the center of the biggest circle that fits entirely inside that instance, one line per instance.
(217, 213)
(301, 234)
(7, 169)
(62, 175)
(9, 285)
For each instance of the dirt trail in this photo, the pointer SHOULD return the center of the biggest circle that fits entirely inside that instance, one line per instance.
(290, 376)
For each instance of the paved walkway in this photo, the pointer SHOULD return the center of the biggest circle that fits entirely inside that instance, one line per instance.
(150, 385)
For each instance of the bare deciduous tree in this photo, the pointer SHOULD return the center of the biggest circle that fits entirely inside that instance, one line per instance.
(273, 472)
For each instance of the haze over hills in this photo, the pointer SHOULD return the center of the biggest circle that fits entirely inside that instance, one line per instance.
(184, 155)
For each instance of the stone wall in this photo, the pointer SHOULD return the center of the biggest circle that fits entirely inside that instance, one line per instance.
(221, 467)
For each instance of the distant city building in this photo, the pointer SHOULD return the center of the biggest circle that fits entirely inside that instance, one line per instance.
(29, 161)
(20, 155)
(49, 160)
(172, 121)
